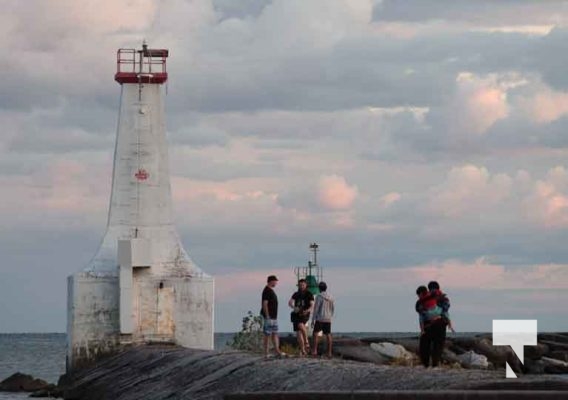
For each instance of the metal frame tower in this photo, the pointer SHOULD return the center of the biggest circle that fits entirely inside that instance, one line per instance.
(312, 273)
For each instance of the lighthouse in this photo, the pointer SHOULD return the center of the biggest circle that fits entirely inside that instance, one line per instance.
(141, 286)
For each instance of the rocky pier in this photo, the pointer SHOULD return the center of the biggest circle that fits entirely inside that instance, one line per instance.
(360, 367)
(167, 372)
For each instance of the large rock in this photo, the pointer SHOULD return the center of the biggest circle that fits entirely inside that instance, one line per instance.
(392, 351)
(535, 367)
(536, 352)
(411, 345)
(450, 357)
(553, 337)
(19, 382)
(463, 343)
(472, 360)
(553, 366)
(499, 355)
(455, 348)
(555, 346)
(381, 339)
(359, 353)
(50, 391)
(346, 341)
(558, 355)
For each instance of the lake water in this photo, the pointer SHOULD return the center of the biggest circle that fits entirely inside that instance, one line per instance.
(42, 355)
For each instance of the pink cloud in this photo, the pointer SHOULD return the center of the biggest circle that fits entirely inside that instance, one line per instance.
(546, 106)
(452, 274)
(487, 105)
(230, 284)
(479, 103)
(184, 190)
(548, 202)
(389, 199)
(457, 274)
(65, 193)
(533, 30)
(88, 16)
(469, 188)
(481, 274)
(334, 193)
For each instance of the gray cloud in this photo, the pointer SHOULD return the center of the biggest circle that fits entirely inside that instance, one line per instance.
(549, 57)
(478, 12)
(243, 9)
(199, 136)
(203, 167)
(41, 140)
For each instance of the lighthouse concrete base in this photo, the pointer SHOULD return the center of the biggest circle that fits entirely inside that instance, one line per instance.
(178, 310)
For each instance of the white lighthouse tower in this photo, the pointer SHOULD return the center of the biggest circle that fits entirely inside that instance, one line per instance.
(141, 285)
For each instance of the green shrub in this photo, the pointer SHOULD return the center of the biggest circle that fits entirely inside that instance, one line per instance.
(250, 336)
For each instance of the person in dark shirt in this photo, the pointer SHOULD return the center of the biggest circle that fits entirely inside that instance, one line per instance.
(269, 312)
(302, 302)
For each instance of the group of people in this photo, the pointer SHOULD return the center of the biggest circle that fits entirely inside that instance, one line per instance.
(304, 305)
(432, 307)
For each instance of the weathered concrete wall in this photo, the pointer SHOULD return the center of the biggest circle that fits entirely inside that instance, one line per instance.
(178, 310)
(194, 312)
(92, 317)
(141, 206)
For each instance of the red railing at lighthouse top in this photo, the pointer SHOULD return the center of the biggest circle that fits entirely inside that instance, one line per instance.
(141, 66)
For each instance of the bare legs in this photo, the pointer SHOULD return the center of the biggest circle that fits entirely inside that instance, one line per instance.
(302, 336)
(275, 344)
(265, 338)
(329, 344)
(315, 339)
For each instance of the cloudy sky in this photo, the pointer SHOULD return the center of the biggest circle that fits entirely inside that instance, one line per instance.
(413, 140)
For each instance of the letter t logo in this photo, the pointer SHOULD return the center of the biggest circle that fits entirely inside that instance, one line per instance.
(517, 334)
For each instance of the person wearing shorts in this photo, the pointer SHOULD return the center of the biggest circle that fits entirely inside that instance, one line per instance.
(302, 302)
(324, 309)
(269, 312)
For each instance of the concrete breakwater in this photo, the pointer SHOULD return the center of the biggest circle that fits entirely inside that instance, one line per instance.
(164, 372)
